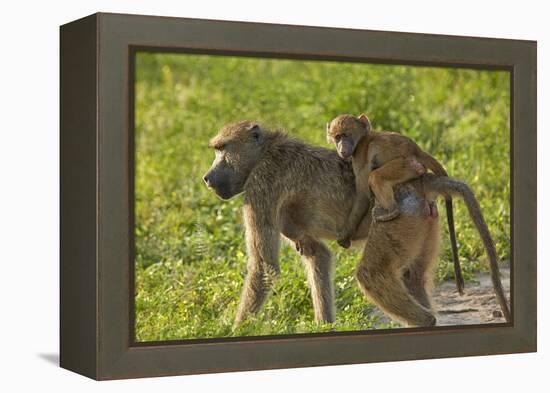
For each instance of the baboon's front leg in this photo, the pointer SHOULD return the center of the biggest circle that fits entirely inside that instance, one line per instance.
(318, 262)
(262, 243)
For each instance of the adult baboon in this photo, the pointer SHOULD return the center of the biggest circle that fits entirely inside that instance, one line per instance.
(306, 193)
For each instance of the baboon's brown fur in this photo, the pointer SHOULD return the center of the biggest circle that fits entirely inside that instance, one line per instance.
(380, 161)
(306, 193)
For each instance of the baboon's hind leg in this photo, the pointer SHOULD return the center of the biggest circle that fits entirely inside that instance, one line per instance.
(414, 279)
(380, 279)
(418, 276)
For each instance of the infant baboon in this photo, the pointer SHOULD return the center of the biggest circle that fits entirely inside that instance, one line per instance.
(305, 193)
(380, 161)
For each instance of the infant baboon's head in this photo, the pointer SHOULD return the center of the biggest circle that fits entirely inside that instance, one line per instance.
(345, 131)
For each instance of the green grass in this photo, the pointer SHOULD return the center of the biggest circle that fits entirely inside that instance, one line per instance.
(190, 254)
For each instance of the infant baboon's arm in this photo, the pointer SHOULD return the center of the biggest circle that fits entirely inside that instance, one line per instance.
(358, 210)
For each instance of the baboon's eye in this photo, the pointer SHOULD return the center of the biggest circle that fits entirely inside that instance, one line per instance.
(338, 137)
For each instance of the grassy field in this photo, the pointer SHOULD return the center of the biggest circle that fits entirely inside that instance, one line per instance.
(190, 254)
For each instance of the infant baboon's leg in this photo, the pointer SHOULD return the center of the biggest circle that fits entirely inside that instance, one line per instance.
(319, 266)
(383, 179)
(380, 278)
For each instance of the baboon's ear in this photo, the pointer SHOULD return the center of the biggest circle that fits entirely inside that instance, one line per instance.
(364, 120)
(256, 132)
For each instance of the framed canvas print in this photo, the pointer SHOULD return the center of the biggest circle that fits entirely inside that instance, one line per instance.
(242, 196)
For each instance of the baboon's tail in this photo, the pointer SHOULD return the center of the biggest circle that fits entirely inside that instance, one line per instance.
(447, 186)
(434, 165)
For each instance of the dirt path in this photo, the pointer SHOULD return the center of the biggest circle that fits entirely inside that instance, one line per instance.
(477, 305)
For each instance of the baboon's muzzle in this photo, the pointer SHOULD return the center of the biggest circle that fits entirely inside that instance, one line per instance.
(217, 184)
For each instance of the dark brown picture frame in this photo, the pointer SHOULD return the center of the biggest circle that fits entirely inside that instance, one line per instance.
(96, 316)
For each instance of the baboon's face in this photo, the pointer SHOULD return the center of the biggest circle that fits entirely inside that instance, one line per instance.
(345, 131)
(238, 147)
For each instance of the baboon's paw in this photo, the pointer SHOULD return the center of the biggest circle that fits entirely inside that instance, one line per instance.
(431, 321)
(379, 214)
(344, 242)
(299, 248)
(427, 320)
